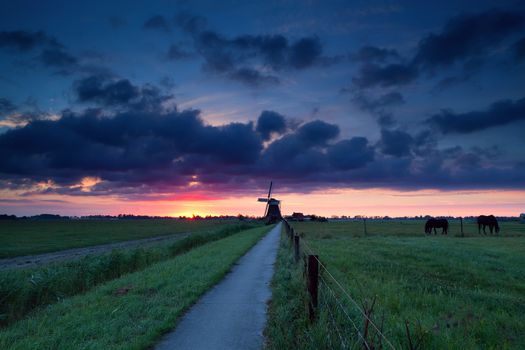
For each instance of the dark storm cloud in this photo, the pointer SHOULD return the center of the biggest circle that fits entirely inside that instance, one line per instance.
(396, 74)
(317, 133)
(465, 40)
(135, 153)
(467, 36)
(305, 52)
(300, 153)
(350, 154)
(270, 122)
(52, 54)
(241, 57)
(24, 41)
(157, 22)
(112, 92)
(374, 54)
(275, 51)
(396, 143)
(77, 145)
(499, 113)
(104, 91)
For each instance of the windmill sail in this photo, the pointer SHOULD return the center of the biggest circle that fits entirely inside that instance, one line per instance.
(272, 212)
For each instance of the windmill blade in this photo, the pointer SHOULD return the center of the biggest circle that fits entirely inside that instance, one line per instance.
(270, 191)
(262, 200)
(266, 210)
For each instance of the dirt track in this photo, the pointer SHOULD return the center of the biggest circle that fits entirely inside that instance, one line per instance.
(22, 262)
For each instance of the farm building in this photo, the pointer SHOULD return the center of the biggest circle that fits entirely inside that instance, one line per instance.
(297, 216)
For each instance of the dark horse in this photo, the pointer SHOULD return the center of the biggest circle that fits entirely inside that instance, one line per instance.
(436, 223)
(489, 221)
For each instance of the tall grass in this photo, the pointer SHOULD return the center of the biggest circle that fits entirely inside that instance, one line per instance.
(131, 312)
(21, 291)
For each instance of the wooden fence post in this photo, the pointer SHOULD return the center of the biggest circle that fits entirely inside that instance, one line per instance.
(296, 247)
(364, 225)
(461, 222)
(313, 282)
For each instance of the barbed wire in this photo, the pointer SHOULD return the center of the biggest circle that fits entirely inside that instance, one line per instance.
(332, 317)
(342, 308)
(349, 296)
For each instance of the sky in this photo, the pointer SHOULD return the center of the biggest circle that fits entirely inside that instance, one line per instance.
(192, 107)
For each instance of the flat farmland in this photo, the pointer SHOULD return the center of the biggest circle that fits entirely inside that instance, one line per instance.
(449, 291)
(131, 311)
(407, 228)
(25, 237)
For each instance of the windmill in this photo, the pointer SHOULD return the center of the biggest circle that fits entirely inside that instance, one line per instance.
(272, 213)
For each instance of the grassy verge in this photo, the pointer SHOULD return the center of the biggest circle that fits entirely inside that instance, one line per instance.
(134, 311)
(24, 290)
(25, 237)
(287, 326)
(455, 293)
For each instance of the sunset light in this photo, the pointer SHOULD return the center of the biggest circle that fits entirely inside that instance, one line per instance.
(273, 175)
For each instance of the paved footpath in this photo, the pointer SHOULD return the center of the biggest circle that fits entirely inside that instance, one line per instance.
(232, 315)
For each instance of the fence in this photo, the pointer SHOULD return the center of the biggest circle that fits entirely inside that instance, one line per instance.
(350, 327)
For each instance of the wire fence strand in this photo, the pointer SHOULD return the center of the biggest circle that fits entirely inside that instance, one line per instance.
(347, 294)
(334, 324)
(341, 307)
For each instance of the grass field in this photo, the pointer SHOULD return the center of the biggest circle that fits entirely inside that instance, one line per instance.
(403, 228)
(455, 292)
(131, 312)
(25, 237)
(23, 290)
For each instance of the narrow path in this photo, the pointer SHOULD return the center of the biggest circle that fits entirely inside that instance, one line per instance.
(233, 314)
(27, 261)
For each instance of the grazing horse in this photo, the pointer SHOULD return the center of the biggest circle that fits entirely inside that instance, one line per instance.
(489, 221)
(436, 223)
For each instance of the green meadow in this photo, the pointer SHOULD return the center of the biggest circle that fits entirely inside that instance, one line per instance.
(23, 290)
(133, 311)
(25, 237)
(449, 292)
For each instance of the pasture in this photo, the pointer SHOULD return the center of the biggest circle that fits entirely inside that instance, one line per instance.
(134, 310)
(25, 237)
(23, 290)
(454, 292)
(400, 228)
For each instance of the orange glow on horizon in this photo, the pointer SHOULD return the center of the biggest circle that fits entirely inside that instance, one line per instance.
(350, 202)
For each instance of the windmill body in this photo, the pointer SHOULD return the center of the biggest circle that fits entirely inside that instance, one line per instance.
(272, 213)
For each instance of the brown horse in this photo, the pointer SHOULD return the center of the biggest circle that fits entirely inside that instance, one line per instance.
(436, 223)
(489, 221)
